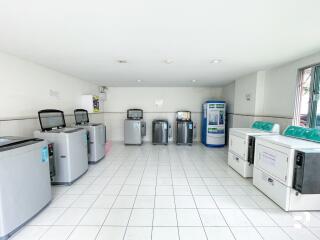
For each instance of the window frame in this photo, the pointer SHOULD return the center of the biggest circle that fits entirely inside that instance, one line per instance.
(299, 89)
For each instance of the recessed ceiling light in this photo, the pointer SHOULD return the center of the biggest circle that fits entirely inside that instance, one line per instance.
(215, 61)
(139, 80)
(168, 61)
(193, 80)
(122, 61)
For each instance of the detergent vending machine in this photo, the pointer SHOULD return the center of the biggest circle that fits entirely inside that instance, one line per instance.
(213, 123)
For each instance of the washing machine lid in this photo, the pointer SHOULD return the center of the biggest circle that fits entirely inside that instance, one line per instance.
(81, 116)
(134, 113)
(289, 142)
(183, 115)
(244, 132)
(51, 118)
(8, 142)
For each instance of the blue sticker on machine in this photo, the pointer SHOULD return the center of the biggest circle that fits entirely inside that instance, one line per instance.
(45, 154)
(190, 125)
(215, 131)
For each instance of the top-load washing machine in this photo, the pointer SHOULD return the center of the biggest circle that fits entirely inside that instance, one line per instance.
(160, 132)
(287, 168)
(134, 127)
(24, 182)
(70, 146)
(184, 128)
(96, 135)
(242, 145)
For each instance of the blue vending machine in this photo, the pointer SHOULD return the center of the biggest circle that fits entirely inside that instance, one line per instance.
(213, 123)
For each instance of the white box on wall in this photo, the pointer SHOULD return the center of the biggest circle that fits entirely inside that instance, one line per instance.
(91, 103)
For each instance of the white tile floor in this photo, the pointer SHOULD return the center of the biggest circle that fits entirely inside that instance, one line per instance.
(166, 193)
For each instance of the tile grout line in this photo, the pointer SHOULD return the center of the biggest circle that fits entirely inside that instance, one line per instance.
(216, 204)
(205, 232)
(155, 194)
(115, 172)
(98, 195)
(174, 196)
(126, 228)
(247, 218)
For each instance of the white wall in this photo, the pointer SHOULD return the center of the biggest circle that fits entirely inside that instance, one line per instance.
(228, 94)
(272, 94)
(245, 86)
(25, 89)
(280, 86)
(119, 99)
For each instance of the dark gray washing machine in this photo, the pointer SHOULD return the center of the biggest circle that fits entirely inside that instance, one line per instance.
(160, 132)
(184, 128)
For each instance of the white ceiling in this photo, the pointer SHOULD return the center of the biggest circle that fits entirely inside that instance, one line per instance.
(85, 38)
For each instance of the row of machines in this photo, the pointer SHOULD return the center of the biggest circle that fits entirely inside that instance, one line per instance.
(135, 129)
(56, 155)
(284, 167)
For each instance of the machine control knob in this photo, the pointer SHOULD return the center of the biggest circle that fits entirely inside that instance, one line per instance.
(299, 160)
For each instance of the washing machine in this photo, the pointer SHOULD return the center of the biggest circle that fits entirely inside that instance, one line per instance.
(184, 128)
(160, 132)
(96, 135)
(24, 182)
(242, 145)
(134, 127)
(287, 169)
(70, 146)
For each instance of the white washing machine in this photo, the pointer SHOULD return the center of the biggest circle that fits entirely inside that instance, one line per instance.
(96, 135)
(24, 182)
(70, 146)
(284, 176)
(242, 145)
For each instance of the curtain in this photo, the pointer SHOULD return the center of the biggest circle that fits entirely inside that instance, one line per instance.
(314, 119)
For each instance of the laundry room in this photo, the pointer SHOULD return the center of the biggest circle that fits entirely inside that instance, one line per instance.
(148, 120)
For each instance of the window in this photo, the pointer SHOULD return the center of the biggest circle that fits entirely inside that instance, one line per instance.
(307, 104)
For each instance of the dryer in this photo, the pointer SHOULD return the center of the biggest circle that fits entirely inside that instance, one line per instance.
(286, 168)
(70, 146)
(242, 145)
(24, 182)
(96, 135)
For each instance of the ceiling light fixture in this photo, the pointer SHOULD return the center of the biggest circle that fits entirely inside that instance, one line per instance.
(168, 61)
(215, 61)
(139, 80)
(193, 80)
(122, 61)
